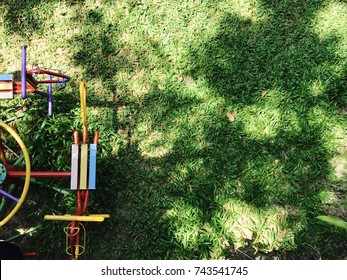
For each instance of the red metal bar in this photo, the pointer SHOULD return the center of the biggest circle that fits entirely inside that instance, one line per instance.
(2, 153)
(40, 174)
(75, 137)
(43, 71)
(17, 87)
(85, 136)
(29, 254)
(96, 137)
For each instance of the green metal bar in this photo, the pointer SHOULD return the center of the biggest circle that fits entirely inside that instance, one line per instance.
(14, 118)
(32, 229)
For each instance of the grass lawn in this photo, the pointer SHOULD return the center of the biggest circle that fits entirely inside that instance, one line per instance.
(222, 124)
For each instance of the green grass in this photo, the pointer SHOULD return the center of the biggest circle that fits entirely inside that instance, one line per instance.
(222, 123)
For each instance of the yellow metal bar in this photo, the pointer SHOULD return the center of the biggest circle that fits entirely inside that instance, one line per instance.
(84, 167)
(100, 215)
(90, 218)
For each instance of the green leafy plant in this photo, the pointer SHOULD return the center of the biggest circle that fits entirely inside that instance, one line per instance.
(335, 221)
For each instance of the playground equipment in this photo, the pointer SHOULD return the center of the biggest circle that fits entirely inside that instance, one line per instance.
(82, 181)
(82, 175)
(7, 167)
(30, 81)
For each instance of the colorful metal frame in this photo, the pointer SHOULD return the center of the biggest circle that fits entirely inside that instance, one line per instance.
(82, 179)
(31, 79)
(75, 231)
(25, 174)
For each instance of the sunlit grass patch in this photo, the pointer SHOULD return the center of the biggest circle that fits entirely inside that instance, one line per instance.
(263, 228)
(329, 22)
(234, 226)
(261, 122)
(155, 145)
(187, 224)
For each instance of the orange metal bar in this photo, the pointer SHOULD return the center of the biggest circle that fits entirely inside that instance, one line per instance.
(17, 87)
(96, 137)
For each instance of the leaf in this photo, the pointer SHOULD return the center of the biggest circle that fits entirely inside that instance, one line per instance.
(116, 99)
(247, 233)
(231, 117)
(333, 221)
(189, 82)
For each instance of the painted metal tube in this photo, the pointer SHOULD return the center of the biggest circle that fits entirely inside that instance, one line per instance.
(92, 167)
(74, 167)
(40, 174)
(50, 97)
(90, 218)
(96, 137)
(9, 196)
(4, 202)
(24, 71)
(63, 78)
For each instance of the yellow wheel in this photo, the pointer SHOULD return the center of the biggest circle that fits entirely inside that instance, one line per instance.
(4, 164)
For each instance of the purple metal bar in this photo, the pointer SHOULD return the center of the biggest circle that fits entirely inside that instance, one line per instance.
(24, 72)
(50, 97)
(64, 80)
(15, 199)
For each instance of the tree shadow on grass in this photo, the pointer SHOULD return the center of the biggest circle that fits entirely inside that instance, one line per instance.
(175, 203)
(264, 68)
(271, 65)
(23, 18)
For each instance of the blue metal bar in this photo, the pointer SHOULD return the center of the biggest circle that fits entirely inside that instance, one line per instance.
(92, 167)
(15, 199)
